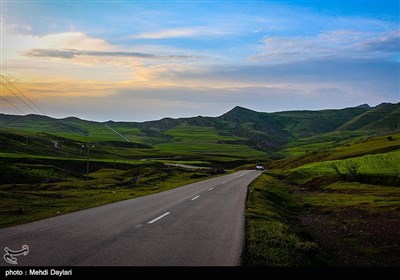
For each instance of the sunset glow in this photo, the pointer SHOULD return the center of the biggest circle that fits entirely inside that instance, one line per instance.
(141, 60)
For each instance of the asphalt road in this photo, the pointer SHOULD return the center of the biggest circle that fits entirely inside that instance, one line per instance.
(200, 224)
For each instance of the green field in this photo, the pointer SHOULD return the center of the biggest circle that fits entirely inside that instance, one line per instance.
(321, 142)
(387, 164)
(344, 147)
(206, 140)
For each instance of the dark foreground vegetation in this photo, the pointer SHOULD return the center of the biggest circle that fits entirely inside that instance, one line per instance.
(329, 208)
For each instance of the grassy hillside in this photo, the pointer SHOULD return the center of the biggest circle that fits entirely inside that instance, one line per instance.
(206, 140)
(239, 137)
(346, 188)
(266, 132)
(338, 145)
(378, 168)
(384, 118)
(24, 143)
(71, 128)
(321, 142)
(306, 123)
(390, 122)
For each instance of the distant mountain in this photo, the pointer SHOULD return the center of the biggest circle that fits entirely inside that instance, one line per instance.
(364, 106)
(261, 131)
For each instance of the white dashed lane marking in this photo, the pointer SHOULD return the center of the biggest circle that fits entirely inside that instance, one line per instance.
(159, 217)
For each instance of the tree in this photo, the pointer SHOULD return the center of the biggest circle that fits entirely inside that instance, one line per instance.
(352, 169)
(336, 168)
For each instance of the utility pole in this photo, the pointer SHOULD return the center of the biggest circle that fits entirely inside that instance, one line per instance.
(87, 146)
(87, 164)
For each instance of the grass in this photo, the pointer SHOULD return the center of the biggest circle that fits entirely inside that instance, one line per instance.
(187, 162)
(367, 145)
(23, 143)
(321, 142)
(71, 128)
(359, 146)
(33, 173)
(28, 156)
(382, 118)
(211, 149)
(22, 203)
(271, 239)
(351, 212)
(352, 194)
(385, 165)
(108, 173)
(206, 140)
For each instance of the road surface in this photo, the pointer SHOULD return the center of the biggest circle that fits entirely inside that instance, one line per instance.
(188, 166)
(200, 224)
(116, 132)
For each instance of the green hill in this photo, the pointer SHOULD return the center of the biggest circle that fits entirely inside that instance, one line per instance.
(240, 132)
(384, 117)
(307, 123)
(390, 122)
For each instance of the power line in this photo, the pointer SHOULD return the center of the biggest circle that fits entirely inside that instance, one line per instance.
(23, 95)
(19, 98)
(9, 102)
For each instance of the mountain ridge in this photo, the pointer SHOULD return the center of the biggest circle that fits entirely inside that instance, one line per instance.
(259, 130)
(237, 107)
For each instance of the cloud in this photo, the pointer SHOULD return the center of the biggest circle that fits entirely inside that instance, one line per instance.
(15, 44)
(352, 78)
(338, 43)
(72, 44)
(313, 84)
(71, 53)
(137, 104)
(82, 57)
(389, 43)
(67, 40)
(180, 33)
(306, 71)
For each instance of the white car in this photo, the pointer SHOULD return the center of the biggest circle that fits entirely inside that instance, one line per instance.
(260, 167)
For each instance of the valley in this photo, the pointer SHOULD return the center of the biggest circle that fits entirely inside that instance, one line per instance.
(329, 195)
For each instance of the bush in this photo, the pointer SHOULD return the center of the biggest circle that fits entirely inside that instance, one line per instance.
(351, 170)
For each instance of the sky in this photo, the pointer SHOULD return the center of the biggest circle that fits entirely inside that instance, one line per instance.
(145, 60)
